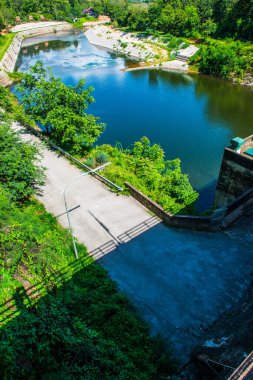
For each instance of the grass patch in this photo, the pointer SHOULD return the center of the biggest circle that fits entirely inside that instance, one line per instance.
(79, 23)
(5, 41)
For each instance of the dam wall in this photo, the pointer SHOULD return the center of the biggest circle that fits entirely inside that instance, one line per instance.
(236, 174)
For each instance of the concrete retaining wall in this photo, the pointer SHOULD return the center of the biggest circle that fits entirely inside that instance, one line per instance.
(180, 221)
(9, 60)
(236, 177)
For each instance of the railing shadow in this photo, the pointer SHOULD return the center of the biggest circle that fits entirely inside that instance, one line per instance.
(28, 296)
(125, 237)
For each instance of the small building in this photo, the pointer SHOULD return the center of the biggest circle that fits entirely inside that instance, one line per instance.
(89, 12)
(18, 19)
(42, 18)
(30, 18)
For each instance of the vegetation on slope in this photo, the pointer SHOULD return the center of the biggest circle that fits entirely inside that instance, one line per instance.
(60, 318)
(190, 18)
(145, 168)
(5, 41)
(229, 59)
(230, 18)
(196, 20)
(19, 172)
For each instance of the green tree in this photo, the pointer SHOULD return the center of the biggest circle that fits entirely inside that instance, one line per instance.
(60, 109)
(154, 153)
(20, 172)
(2, 22)
(193, 20)
(208, 28)
(224, 60)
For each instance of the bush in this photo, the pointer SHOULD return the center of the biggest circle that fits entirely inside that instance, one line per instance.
(224, 59)
(145, 168)
(90, 162)
(20, 171)
(101, 157)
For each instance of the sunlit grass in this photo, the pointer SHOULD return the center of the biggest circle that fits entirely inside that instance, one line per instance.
(5, 41)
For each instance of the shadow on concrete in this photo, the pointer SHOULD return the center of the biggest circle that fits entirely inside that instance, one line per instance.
(27, 296)
(125, 237)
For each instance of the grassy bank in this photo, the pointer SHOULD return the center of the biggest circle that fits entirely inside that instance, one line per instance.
(145, 168)
(5, 41)
(78, 24)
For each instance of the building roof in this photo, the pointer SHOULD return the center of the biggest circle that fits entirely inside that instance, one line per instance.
(87, 10)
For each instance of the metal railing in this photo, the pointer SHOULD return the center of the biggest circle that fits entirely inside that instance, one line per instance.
(68, 155)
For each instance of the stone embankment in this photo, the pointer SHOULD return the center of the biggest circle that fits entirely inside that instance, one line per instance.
(147, 50)
(8, 63)
(121, 43)
(175, 65)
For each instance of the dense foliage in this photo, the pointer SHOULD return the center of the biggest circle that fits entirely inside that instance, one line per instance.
(62, 318)
(227, 59)
(232, 18)
(57, 10)
(144, 167)
(184, 17)
(5, 41)
(60, 109)
(20, 171)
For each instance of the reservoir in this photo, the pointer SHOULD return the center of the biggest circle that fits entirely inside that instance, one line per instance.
(192, 117)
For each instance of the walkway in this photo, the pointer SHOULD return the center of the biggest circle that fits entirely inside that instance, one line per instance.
(100, 219)
(37, 25)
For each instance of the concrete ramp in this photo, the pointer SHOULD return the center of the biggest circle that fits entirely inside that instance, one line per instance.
(100, 218)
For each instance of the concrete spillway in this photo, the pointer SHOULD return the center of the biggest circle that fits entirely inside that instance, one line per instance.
(182, 281)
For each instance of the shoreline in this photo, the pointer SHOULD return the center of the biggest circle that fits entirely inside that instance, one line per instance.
(116, 41)
(124, 43)
(9, 60)
(171, 66)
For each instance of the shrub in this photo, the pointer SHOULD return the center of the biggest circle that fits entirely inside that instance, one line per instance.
(20, 171)
(101, 157)
(90, 162)
(144, 167)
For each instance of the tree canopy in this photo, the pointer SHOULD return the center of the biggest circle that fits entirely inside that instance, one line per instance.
(60, 109)
(232, 18)
(20, 172)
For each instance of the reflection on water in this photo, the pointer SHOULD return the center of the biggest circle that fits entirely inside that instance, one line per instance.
(229, 103)
(192, 117)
